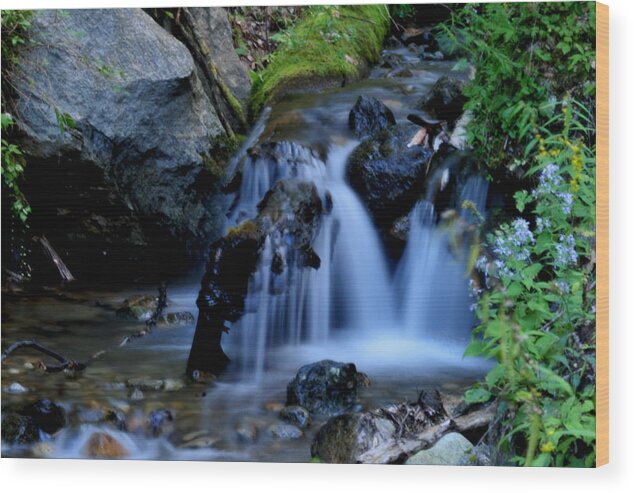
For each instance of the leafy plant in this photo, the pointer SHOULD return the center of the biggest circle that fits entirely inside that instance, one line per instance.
(15, 23)
(525, 55)
(536, 301)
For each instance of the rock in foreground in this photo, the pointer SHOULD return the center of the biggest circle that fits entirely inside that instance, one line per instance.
(326, 387)
(450, 450)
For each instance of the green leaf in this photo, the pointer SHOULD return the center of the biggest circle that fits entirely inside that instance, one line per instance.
(474, 396)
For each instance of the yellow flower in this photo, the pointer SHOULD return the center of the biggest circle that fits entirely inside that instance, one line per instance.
(547, 447)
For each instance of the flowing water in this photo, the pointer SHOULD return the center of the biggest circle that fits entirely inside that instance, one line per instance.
(404, 323)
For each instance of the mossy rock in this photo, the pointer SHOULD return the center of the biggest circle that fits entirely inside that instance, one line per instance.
(329, 47)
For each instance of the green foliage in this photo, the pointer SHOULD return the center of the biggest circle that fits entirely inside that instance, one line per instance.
(401, 11)
(537, 307)
(15, 23)
(12, 169)
(525, 55)
(328, 42)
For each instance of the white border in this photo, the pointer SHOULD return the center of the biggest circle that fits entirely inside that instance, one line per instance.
(180, 477)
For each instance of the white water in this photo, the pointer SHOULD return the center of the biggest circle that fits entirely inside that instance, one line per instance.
(352, 294)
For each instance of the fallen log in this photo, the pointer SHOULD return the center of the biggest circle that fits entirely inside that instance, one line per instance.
(397, 450)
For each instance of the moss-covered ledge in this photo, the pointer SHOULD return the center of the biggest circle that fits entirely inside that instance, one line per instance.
(330, 46)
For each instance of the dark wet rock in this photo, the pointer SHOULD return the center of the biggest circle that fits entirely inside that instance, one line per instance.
(285, 431)
(247, 431)
(363, 380)
(117, 418)
(160, 421)
(102, 445)
(400, 228)
(296, 415)
(343, 439)
(368, 116)
(177, 318)
(388, 175)
(18, 429)
(325, 388)
(47, 415)
(132, 92)
(138, 307)
(445, 101)
(290, 212)
(451, 450)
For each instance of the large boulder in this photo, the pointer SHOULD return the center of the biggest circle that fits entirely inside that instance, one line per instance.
(117, 128)
(18, 429)
(47, 415)
(326, 388)
(368, 116)
(387, 174)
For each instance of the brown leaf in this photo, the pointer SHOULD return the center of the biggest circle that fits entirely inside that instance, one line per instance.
(419, 137)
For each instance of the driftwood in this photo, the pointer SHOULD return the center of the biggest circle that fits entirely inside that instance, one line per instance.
(64, 363)
(476, 419)
(396, 450)
(150, 324)
(64, 271)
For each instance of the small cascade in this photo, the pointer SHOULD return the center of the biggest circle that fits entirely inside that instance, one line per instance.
(351, 290)
(273, 162)
(431, 276)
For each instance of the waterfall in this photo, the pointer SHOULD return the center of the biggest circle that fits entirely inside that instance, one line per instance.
(431, 276)
(350, 291)
(353, 291)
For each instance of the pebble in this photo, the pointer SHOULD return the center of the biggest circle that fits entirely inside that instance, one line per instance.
(200, 442)
(102, 445)
(275, 407)
(247, 432)
(171, 384)
(285, 432)
(146, 383)
(16, 388)
(136, 395)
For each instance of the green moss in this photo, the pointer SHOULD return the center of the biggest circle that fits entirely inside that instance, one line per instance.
(230, 99)
(221, 149)
(329, 43)
(248, 229)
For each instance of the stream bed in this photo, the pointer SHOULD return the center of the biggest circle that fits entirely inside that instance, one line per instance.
(403, 325)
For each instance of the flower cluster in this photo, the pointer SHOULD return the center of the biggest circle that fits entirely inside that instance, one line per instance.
(565, 251)
(513, 246)
(549, 183)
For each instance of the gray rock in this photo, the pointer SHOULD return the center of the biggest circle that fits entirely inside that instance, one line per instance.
(143, 122)
(16, 388)
(368, 116)
(450, 450)
(285, 432)
(208, 32)
(296, 415)
(326, 387)
(172, 384)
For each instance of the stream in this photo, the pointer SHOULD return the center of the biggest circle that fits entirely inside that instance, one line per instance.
(404, 323)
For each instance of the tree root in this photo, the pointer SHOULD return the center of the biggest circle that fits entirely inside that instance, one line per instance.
(64, 363)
